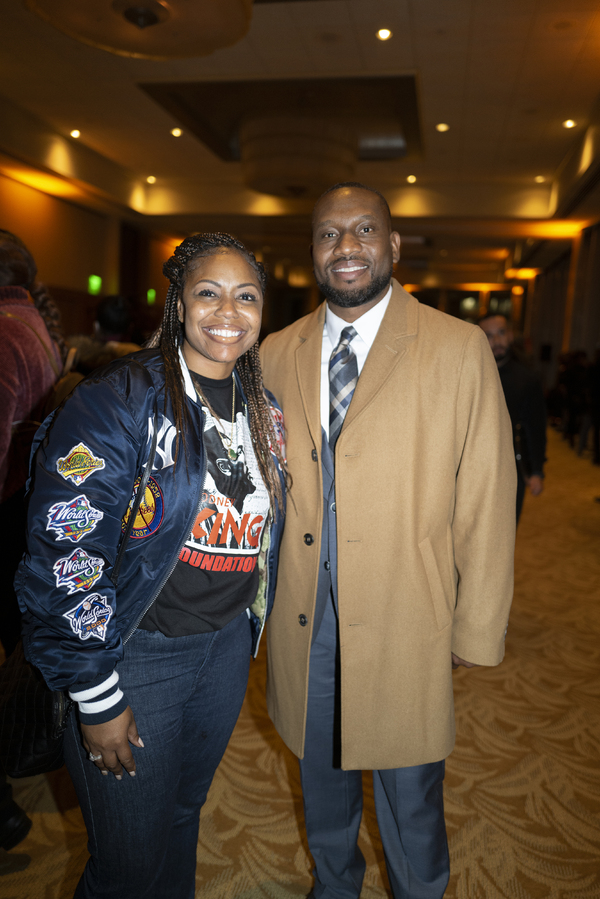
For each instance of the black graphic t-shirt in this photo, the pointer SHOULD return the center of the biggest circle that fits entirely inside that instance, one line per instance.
(216, 576)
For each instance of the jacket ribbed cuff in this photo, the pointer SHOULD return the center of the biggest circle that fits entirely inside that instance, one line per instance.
(100, 700)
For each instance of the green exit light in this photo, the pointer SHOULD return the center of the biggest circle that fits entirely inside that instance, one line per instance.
(94, 285)
(151, 296)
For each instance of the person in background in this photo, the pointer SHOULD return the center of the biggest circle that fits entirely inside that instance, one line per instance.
(158, 659)
(109, 340)
(397, 556)
(31, 358)
(526, 407)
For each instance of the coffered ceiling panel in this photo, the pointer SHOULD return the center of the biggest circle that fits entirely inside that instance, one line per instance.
(384, 113)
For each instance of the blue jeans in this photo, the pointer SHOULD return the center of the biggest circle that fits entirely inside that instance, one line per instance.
(186, 694)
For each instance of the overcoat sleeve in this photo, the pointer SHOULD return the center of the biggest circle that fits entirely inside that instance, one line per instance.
(484, 520)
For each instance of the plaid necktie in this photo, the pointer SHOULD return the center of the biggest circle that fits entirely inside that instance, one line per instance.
(343, 375)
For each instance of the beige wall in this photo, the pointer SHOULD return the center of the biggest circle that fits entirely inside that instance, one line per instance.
(69, 243)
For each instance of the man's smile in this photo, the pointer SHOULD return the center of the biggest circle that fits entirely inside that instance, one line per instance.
(348, 270)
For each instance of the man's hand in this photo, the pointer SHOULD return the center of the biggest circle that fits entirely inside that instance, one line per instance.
(456, 661)
(535, 484)
(110, 741)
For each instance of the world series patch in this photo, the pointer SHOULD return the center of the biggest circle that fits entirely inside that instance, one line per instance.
(77, 571)
(79, 464)
(150, 513)
(90, 618)
(73, 520)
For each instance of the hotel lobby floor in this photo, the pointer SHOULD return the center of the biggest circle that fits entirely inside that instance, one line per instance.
(522, 786)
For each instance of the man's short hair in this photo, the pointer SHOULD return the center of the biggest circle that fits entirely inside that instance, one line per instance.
(358, 186)
(113, 314)
(483, 318)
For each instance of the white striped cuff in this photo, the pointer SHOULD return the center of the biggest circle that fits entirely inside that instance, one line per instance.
(92, 708)
(86, 695)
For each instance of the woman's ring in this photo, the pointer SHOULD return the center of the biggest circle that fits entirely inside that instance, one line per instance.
(94, 758)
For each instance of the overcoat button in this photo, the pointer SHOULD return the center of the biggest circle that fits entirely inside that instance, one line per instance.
(327, 566)
(314, 456)
(333, 507)
(309, 539)
(303, 620)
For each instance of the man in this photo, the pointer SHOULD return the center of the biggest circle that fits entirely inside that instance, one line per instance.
(526, 407)
(396, 562)
(111, 327)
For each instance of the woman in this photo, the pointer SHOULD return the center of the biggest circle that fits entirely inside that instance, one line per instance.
(159, 665)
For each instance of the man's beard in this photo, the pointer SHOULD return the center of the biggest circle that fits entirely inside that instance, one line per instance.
(353, 297)
(503, 357)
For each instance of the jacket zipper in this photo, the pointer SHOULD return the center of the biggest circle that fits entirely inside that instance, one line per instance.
(264, 620)
(172, 567)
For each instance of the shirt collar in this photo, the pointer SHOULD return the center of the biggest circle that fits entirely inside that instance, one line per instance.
(187, 378)
(366, 326)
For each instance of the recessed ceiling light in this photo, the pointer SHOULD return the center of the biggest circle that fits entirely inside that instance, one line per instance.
(569, 123)
(75, 133)
(411, 179)
(384, 34)
(151, 179)
(442, 127)
(539, 179)
(176, 132)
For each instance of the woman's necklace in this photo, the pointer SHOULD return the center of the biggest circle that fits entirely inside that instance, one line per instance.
(225, 440)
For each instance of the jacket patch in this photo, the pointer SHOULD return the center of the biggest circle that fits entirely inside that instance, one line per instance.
(79, 464)
(73, 520)
(165, 442)
(77, 571)
(150, 513)
(90, 618)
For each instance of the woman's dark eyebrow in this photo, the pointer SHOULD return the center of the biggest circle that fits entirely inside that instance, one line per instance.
(216, 283)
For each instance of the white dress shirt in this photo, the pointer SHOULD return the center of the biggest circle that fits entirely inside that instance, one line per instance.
(366, 328)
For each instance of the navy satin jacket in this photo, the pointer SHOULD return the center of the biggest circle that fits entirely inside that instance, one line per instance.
(85, 460)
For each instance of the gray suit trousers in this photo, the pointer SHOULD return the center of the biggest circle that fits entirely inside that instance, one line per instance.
(408, 801)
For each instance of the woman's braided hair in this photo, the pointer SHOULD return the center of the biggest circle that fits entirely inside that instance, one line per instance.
(170, 334)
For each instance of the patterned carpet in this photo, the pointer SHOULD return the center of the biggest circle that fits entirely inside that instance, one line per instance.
(522, 786)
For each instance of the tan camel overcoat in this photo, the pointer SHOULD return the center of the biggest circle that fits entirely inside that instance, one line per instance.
(425, 497)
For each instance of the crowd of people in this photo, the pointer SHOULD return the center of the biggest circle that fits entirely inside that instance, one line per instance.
(574, 403)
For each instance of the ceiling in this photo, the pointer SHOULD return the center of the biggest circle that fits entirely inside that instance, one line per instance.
(503, 74)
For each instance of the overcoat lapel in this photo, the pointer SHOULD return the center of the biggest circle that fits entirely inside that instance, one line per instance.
(398, 328)
(308, 371)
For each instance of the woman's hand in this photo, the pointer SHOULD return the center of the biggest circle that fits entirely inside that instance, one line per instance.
(110, 741)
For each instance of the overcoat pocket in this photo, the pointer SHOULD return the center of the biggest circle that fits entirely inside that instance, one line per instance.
(436, 587)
